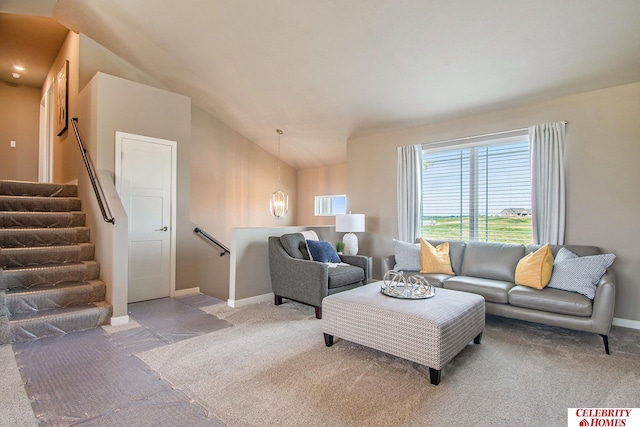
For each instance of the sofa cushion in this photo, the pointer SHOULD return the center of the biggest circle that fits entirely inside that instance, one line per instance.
(491, 290)
(579, 274)
(551, 300)
(407, 256)
(295, 245)
(322, 251)
(435, 259)
(343, 275)
(534, 270)
(580, 250)
(490, 260)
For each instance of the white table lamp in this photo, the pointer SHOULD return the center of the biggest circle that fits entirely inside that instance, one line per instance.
(350, 223)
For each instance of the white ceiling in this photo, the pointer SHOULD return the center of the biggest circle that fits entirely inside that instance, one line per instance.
(327, 70)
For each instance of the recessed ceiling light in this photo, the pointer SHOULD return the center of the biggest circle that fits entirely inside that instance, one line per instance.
(16, 75)
(18, 67)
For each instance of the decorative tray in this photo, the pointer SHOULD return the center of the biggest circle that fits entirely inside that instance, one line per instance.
(415, 287)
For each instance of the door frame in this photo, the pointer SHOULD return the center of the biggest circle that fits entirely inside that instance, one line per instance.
(45, 144)
(120, 136)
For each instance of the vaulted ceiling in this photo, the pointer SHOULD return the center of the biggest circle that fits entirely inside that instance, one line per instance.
(325, 71)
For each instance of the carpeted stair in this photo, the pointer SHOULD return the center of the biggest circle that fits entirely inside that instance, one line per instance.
(49, 281)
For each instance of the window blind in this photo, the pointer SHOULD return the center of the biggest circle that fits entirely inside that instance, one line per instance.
(478, 192)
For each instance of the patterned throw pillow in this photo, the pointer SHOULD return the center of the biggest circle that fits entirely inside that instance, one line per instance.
(322, 251)
(407, 256)
(579, 274)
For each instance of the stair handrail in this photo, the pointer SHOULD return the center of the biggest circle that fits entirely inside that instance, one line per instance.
(212, 240)
(93, 177)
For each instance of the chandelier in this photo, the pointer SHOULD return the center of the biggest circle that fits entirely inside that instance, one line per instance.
(279, 203)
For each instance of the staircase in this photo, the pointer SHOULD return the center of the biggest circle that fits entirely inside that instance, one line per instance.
(49, 281)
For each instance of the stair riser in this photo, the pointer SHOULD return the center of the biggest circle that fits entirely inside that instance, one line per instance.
(41, 219)
(48, 276)
(39, 204)
(19, 188)
(18, 238)
(79, 294)
(33, 257)
(91, 317)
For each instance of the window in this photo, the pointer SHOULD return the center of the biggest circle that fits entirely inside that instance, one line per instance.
(478, 191)
(330, 205)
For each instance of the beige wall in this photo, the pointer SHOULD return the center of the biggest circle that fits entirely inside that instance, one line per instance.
(224, 180)
(113, 104)
(314, 182)
(231, 182)
(65, 151)
(603, 151)
(19, 118)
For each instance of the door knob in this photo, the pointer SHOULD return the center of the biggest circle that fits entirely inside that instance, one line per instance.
(162, 229)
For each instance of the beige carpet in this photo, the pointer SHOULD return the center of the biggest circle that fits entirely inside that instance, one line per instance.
(273, 369)
(15, 406)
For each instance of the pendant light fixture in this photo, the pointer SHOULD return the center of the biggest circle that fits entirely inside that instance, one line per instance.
(279, 203)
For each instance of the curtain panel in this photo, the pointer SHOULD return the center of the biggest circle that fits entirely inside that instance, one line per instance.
(409, 192)
(547, 143)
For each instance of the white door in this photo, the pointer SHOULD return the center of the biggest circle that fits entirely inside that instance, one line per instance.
(145, 179)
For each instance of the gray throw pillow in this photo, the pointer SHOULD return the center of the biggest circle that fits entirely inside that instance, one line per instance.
(579, 274)
(407, 256)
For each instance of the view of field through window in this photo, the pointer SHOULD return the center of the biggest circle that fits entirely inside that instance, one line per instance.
(478, 193)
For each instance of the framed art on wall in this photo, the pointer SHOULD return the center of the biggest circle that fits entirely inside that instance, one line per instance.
(61, 98)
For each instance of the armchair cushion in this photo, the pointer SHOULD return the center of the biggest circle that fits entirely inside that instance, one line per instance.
(343, 275)
(322, 251)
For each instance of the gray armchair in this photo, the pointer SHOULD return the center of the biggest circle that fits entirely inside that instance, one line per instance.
(295, 277)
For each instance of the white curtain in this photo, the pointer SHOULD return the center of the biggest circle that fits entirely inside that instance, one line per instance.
(409, 192)
(547, 143)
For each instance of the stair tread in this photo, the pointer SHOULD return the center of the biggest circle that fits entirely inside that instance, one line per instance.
(38, 236)
(66, 265)
(43, 189)
(44, 248)
(17, 293)
(57, 312)
(41, 229)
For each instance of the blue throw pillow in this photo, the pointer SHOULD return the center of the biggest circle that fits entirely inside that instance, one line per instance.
(322, 251)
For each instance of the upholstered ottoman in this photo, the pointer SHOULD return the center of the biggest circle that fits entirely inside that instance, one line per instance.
(427, 331)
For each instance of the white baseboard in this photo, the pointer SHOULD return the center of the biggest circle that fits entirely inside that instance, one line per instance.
(120, 320)
(248, 301)
(185, 292)
(626, 323)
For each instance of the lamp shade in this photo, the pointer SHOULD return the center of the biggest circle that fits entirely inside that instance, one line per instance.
(350, 223)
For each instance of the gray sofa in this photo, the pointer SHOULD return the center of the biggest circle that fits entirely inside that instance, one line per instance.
(488, 269)
(294, 276)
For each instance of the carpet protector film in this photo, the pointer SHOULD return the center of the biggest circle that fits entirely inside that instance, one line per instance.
(92, 377)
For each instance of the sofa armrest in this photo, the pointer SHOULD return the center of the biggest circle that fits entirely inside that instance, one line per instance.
(603, 303)
(387, 264)
(358, 261)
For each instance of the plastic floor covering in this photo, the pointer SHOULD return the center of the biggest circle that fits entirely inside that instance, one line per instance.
(94, 378)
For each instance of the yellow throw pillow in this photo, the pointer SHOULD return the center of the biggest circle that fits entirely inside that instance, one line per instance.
(435, 260)
(534, 270)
